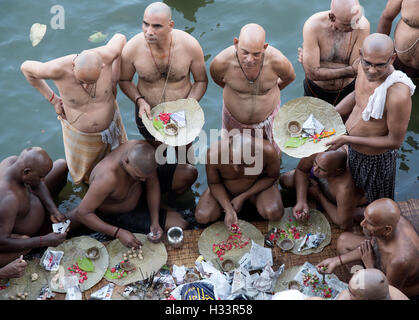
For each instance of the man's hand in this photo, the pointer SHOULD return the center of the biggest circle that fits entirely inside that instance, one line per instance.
(301, 210)
(53, 239)
(328, 265)
(14, 269)
(128, 239)
(230, 219)
(57, 102)
(237, 203)
(156, 232)
(144, 107)
(57, 217)
(367, 254)
(336, 143)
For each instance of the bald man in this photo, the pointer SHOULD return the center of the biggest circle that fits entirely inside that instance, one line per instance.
(406, 34)
(330, 54)
(114, 204)
(325, 177)
(252, 74)
(27, 209)
(231, 183)
(164, 59)
(390, 244)
(370, 284)
(86, 105)
(379, 112)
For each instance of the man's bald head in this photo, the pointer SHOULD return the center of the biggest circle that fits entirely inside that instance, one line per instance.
(159, 8)
(333, 161)
(378, 44)
(369, 284)
(87, 66)
(252, 34)
(345, 14)
(35, 157)
(142, 156)
(383, 212)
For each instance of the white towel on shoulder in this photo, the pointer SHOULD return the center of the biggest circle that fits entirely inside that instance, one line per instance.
(376, 102)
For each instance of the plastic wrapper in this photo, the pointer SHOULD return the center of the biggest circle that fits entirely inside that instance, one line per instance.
(267, 279)
(311, 241)
(312, 126)
(179, 274)
(61, 227)
(71, 286)
(52, 259)
(45, 293)
(105, 293)
(259, 257)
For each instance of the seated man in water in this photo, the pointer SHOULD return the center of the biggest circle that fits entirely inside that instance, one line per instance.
(86, 107)
(406, 35)
(370, 284)
(330, 54)
(27, 182)
(325, 177)
(116, 185)
(233, 179)
(390, 244)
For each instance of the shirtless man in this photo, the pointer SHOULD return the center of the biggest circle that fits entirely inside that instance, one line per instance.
(86, 105)
(406, 34)
(116, 186)
(26, 184)
(229, 186)
(374, 138)
(370, 284)
(390, 244)
(164, 59)
(252, 74)
(326, 177)
(330, 54)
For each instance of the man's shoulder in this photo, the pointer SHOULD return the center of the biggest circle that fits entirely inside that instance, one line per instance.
(134, 42)
(316, 21)
(188, 41)
(398, 94)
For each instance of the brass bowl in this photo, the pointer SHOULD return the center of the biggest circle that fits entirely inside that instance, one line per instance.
(294, 128)
(171, 129)
(294, 285)
(286, 244)
(93, 253)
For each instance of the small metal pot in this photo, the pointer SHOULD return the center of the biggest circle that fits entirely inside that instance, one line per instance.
(175, 237)
(293, 284)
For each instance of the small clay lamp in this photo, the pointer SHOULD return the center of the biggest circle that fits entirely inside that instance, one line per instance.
(171, 129)
(128, 266)
(228, 265)
(286, 244)
(93, 253)
(294, 128)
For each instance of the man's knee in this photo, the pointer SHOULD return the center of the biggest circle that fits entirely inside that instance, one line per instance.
(286, 180)
(203, 215)
(190, 174)
(344, 242)
(273, 212)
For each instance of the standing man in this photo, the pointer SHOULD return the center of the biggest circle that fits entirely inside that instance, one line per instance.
(252, 74)
(379, 112)
(331, 42)
(406, 35)
(164, 59)
(86, 106)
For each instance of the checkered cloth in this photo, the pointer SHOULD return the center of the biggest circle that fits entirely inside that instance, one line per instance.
(374, 174)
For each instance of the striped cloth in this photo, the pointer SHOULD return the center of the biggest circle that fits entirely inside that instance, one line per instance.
(229, 123)
(374, 174)
(84, 150)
